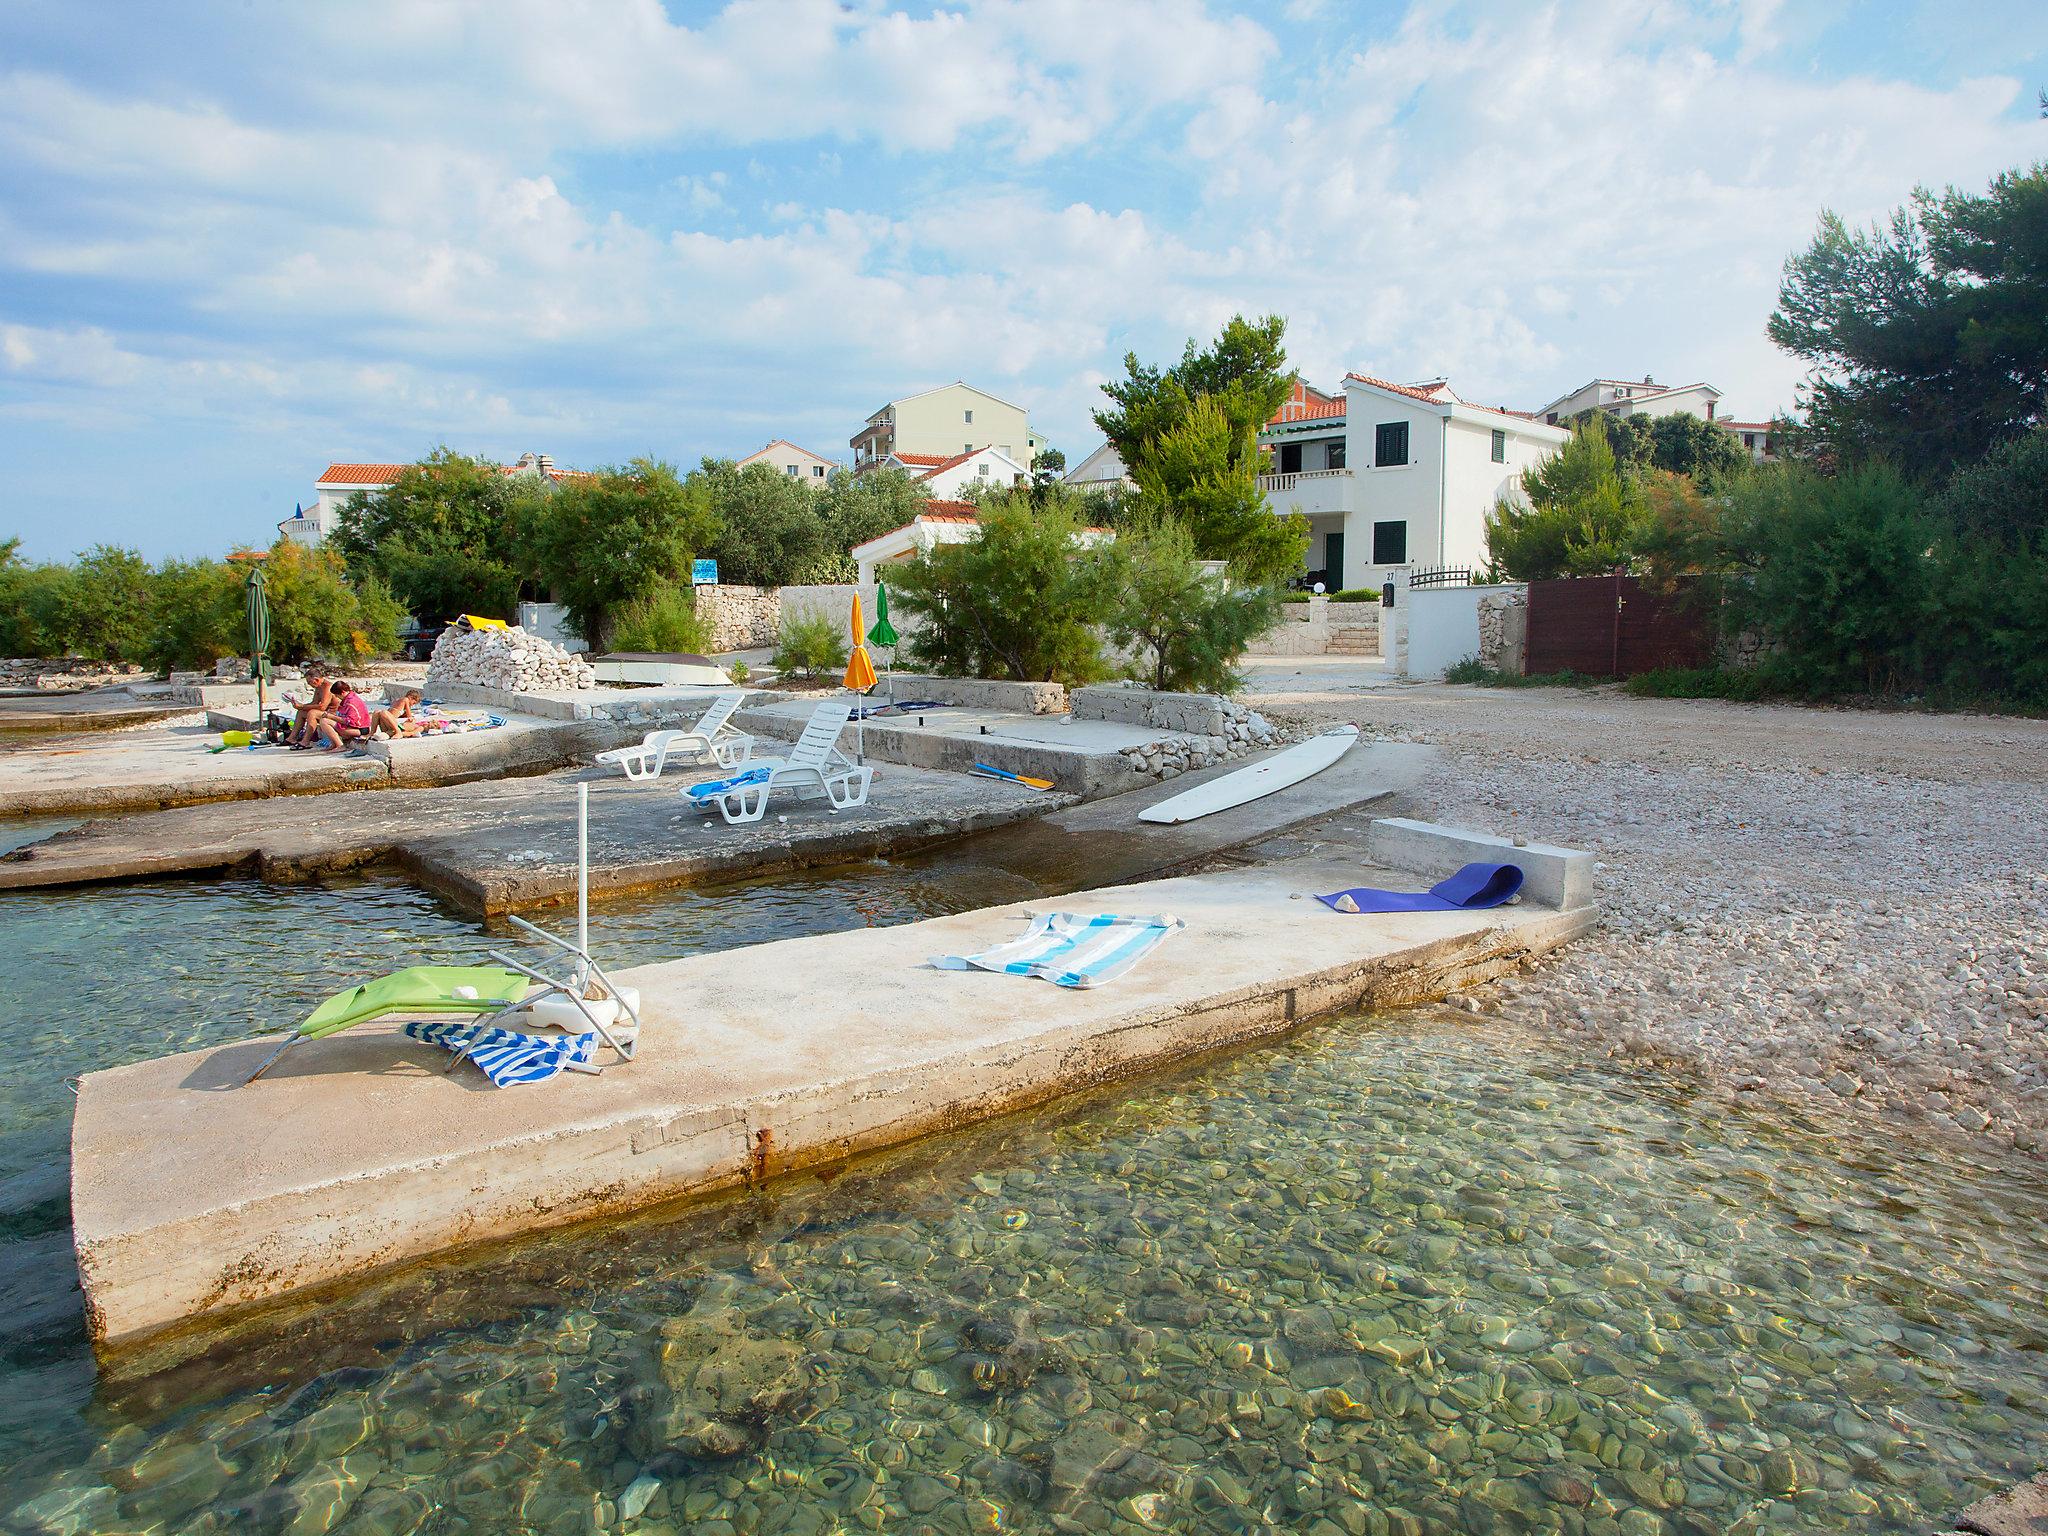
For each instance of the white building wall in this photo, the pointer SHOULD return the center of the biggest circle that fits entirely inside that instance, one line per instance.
(1389, 493)
(1475, 482)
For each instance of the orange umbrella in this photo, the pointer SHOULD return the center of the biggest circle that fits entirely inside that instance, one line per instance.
(860, 676)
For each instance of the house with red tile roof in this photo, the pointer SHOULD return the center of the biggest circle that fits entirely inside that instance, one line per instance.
(338, 482)
(939, 522)
(1646, 397)
(1393, 476)
(947, 475)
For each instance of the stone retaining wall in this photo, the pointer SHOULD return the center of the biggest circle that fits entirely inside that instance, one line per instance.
(1320, 627)
(64, 674)
(739, 618)
(1504, 630)
(1207, 728)
(983, 693)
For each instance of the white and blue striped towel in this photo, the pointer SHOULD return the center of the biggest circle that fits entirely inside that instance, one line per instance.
(1069, 949)
(506, 1056)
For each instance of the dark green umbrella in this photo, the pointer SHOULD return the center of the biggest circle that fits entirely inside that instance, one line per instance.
(884, 633)
(258, 607)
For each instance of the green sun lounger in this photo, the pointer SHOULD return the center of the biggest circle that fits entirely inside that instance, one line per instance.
(416, 989)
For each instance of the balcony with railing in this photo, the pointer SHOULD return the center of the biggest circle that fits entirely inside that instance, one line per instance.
(1308, 491)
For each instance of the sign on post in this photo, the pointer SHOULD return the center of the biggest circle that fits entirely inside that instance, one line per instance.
(703, 573)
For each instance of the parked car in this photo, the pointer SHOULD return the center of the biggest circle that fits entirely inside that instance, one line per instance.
(417, 639)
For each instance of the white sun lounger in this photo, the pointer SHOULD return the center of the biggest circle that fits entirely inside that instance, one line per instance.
(815, 768)
(712, 739)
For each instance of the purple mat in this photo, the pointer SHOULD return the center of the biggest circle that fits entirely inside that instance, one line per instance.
(1471, 889)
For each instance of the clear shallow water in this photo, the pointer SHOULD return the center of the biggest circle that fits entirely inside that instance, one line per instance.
(1398, 1276)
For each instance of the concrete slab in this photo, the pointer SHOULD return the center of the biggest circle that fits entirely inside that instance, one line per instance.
(508, 845)
(2022, 1510)
(192, 1198)
(1081, 757)
(1558, 877)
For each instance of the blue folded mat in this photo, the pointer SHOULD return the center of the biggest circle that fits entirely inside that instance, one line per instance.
(1471, 889)
(719, 786)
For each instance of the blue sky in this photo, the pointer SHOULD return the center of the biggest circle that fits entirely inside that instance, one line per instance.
(239, 241)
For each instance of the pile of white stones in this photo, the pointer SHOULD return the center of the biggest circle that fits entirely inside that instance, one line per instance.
(510, 659)
(1244, 731)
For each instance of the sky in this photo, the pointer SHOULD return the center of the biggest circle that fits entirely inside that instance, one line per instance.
(238, 241)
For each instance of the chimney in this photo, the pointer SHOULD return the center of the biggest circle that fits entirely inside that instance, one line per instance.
(544, 464)
(1648, 380)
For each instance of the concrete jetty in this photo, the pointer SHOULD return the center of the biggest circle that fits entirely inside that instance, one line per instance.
(193, 1198)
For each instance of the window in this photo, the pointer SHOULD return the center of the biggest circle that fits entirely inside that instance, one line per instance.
(968, 417)
(1749, 439)
(1551, 418)
(1500, 446)
(1390, 444)
(1390, 543)
(982, 469)
(1290, 458)
(967, 447)
(817, 471)
(789, 469)
(1336, 454)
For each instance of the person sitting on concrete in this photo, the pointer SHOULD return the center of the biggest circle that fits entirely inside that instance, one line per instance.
(301, 733)
(399, 719)
(347, 722)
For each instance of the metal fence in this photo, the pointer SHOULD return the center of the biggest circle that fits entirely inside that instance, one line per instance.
(1425, 576)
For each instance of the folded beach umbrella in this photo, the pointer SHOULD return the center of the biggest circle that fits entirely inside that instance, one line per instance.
(860, 674)
(1471, 889)
(884, 633)
(258, 610)
(416, 989)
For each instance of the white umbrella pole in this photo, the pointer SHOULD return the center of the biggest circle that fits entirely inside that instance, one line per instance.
(582, 882)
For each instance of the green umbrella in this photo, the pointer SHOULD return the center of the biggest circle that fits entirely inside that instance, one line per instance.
(259, 634)
(884, 633)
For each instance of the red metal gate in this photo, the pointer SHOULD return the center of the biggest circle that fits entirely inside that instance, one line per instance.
(1613, 626)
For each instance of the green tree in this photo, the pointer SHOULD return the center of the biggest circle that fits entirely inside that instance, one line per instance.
(35, 605)
(1047, 465)
(109, 604)
(1244, 372)
(1927, 334)
(856, 508)
(771, 532)
(197, 614)
(1020, 600)
(443, 537)
(1187, 625)
(604, 539)
(316, 611)
(1577, 515)
(2003, 498)
(1196, 474)
(1684, 444)
(662, 618)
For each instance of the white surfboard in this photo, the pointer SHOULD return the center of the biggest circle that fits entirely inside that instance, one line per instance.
(1300, 761)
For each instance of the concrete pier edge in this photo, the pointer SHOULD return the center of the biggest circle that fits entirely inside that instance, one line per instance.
(375, 1161)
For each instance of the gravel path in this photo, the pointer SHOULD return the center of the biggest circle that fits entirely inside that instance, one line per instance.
(1845, 907)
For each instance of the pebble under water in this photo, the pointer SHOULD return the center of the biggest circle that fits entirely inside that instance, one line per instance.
(1397, 1275)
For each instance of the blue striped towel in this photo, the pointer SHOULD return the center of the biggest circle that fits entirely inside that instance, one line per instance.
(713, 788)
(507, 1056)
(1069, 949)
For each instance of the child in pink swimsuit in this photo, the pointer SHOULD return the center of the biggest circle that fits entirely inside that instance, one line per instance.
(349, 720)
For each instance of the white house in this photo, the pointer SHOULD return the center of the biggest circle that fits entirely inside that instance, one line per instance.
(1102, 470)
(1630, 397)
(338, 482)
(1758, 438)
(786, 458)
(940, 522)
(946, 476)
(1396, 475)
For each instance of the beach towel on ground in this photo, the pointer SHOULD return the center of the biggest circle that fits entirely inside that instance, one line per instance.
(1071, 949)
(1471, 889)
(507, 1056)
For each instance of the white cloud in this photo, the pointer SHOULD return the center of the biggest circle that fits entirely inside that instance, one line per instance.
(445, 236)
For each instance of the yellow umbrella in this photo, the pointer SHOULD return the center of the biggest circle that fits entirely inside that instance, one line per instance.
(860, 675)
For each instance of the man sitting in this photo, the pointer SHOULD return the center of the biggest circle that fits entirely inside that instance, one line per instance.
(348, 721)
(399, 719)
(301, 733)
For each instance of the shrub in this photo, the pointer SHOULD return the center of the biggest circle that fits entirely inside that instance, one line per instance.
(1577, 517)
(662, 619)
(740, 673)
(34, 603)
(810, 646)
(314, 611)
(1836, 571)
(199, 614)
(1021, 600)
(1294, 597)
(1187, 625)
(107, 614)
(1745, 687)
(1473, 670)
(605, 539)
(1356, 595)
(2003, 497)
